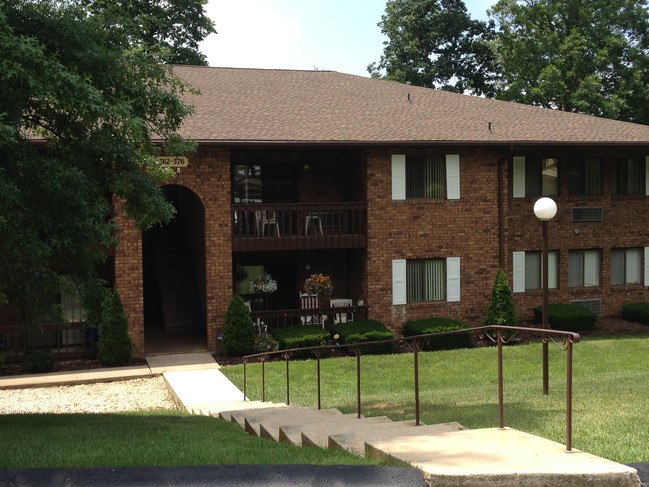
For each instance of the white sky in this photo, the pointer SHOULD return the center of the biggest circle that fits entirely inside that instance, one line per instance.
(338, 35)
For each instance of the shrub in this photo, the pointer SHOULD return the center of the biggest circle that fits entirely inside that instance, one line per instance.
(439, 325)
(567, 317)
(636, 312)
(114, 345)
(38, 362)
(265, 343)
(364, 331)
(300, 336)
(238, 332)
(501, 309)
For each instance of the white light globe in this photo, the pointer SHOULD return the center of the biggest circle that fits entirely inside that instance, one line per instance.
(545, 208)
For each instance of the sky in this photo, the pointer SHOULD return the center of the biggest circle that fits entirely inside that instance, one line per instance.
(337, 35)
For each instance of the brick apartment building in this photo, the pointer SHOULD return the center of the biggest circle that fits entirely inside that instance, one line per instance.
(410, 199)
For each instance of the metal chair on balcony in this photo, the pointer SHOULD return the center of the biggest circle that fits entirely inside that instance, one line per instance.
(342, 316)
(314, 221)
(310, 302)
(266, 219)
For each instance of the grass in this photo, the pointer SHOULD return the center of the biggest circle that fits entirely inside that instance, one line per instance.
(161, 438)
(610, 406)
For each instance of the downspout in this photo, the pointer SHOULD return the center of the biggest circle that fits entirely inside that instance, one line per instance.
(501, 208)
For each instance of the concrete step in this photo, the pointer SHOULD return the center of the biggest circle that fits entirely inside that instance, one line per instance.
(500, 457)
(272, 421)
(239, 416)
(293, 433)
(225, 409)
(355, 440)
(317, 434)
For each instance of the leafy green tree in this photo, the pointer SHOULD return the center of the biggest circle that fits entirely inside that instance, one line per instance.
(167, 30)
(501, 309)
(435, 43)
(82, 117)
(238, 332)
(589, 57)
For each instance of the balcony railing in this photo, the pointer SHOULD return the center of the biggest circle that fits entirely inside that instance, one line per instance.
(296, 226)
(266, 321)
(70, 340)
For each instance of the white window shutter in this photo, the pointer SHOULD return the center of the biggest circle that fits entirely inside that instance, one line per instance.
(518, 180)
(399, 281)
(398, 176)
(552, 270)
(518, 265)
(646, 178)
(453, 279)
(646, 266)
(453, 176)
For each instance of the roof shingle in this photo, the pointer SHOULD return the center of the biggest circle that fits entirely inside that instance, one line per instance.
(273, 106)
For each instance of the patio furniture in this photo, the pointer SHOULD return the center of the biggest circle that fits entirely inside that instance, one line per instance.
(312, 218)
(342, 316)
(311, 302)
(266, 219)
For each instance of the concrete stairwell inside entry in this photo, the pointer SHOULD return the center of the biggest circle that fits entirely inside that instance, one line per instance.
(446, 454)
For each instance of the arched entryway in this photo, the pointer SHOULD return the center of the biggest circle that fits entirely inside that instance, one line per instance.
(174, 278)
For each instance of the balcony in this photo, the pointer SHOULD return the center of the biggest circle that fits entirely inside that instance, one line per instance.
(298, 226)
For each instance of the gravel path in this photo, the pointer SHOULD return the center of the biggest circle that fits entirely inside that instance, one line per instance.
(106, 397)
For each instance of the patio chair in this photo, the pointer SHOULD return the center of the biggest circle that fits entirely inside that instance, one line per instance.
(342, 316)
(311, 302)
(266, 219)
(259, 324)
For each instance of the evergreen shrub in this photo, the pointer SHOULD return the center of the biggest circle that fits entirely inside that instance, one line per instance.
(501, 309)
(567, 317)
(239, 331)
(364, 331)
(114, 345)
(38, 362)
(300, 336)
(636, 312)
(439, 325)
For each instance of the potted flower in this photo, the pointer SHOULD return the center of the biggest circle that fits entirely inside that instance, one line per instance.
(318, 284)
(264, 285)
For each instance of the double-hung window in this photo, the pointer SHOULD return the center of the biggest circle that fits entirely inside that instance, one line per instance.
(629, 176)
(425, 280)
(583, 268)
(429, 177)
(528, 271)
(535, 176)
(626, 266)
(585, 177)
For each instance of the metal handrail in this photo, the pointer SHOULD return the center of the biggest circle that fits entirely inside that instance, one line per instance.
(499, 334)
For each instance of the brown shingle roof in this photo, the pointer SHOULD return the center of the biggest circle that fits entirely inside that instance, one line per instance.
(257, 105)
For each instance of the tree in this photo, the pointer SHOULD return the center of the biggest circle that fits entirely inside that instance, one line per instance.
(588, 57)
(167, 30)
(82, 117)
(114, 346)
(501, 309)
(435, 43)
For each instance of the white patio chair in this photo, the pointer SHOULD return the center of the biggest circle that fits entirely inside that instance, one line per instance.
(342, 316)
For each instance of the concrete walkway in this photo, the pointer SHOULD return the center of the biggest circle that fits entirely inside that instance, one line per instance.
(446, 454)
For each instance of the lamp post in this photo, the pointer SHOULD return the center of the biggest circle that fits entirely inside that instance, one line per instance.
(545, 209)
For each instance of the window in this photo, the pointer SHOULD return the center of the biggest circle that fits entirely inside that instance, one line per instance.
(423, 280)
(528, 270)
(626, 266)
(71, 303)
(535, 176)
(629, 177)
(583, 268)
(425, 177)
(432, 177)
(247, 184)
(585, 177)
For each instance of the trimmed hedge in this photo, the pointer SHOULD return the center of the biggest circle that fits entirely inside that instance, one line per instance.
(567, 317)
(38, 362)
(300, 336)
(636, 312)
(439, 325)
(364, 331)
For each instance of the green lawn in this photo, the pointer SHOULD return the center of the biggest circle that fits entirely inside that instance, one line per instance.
(162, 438)
(611, 390)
